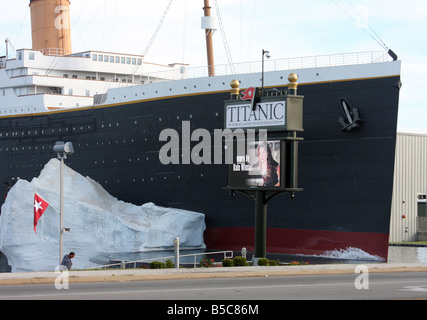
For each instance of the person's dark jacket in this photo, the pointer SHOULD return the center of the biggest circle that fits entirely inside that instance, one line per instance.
(66, 261)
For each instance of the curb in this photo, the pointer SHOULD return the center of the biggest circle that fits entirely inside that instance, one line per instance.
(180, 274)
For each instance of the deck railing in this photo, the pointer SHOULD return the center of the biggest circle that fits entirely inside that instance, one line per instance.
(343, 59)
(123, 264)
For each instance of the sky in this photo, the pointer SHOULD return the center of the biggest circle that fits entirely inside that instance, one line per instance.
(285, 28)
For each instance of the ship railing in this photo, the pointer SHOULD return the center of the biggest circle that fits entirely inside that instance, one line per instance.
(134, 264)
(344, 59)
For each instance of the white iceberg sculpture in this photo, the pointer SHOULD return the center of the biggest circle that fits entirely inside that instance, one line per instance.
(99, 223)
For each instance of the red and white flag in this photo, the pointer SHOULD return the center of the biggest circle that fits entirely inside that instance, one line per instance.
(40, 206)
(249, 94)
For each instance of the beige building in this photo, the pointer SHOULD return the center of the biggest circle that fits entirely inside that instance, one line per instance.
(408, 211)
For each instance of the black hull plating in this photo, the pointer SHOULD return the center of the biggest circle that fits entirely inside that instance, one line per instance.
(347, 176)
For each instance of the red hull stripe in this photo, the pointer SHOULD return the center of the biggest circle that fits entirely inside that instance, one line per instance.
(291, 241)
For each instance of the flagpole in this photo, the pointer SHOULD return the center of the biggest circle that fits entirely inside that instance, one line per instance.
(61, 210)
(62, 149)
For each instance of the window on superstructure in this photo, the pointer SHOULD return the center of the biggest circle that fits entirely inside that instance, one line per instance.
(70, 92)
(31, 56)
(94, 57)
(100, 57)
(74, 76)
(123, 60)
(127, 60)
(65, 75)
(134, 61)
(106, 58)
(117, 59)
(139, 62)
(111, 59)
(87, 93)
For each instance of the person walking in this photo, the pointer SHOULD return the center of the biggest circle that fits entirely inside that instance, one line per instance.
(66, 261)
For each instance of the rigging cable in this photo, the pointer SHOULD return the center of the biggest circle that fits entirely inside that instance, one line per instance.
(58, 58)
(358, 23)
(224, 39)
(372, 34)
(154, 36)
(184, 32)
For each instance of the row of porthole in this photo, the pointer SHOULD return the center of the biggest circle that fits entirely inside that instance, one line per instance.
(89, 127)
(24, 166)
(5, 111)
(115, 161)
(170, 90)
(23, 148)
(110, 125)
(146, 179)
(53, 130)
(30, 148)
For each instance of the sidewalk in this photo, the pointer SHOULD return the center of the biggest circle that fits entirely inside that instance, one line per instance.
(112, 275)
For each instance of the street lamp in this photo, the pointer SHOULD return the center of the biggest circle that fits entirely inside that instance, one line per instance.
(268, 56)
(62, 149)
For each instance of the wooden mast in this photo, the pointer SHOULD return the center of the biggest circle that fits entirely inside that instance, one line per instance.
(209, 24)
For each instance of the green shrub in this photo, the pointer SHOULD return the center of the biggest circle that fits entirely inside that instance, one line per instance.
(157, 265)
(263, 262)
(273, 262)
(169, 264)
(227, 263)
(240, 261)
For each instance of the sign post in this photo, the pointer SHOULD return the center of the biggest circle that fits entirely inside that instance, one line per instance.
(267, 167)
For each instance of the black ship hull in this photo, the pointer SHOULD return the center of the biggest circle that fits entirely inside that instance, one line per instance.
(347, 176)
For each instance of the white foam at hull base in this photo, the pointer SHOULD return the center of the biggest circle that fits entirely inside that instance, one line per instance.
(349, 253)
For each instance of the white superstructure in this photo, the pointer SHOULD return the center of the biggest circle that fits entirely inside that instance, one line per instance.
(36, 82)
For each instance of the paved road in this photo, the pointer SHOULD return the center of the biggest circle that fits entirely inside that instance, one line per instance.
(401, 285)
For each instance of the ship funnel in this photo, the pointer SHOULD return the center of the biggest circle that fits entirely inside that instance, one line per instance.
(50, 24)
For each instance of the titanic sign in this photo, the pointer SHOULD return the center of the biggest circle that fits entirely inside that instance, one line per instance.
(268, 115)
